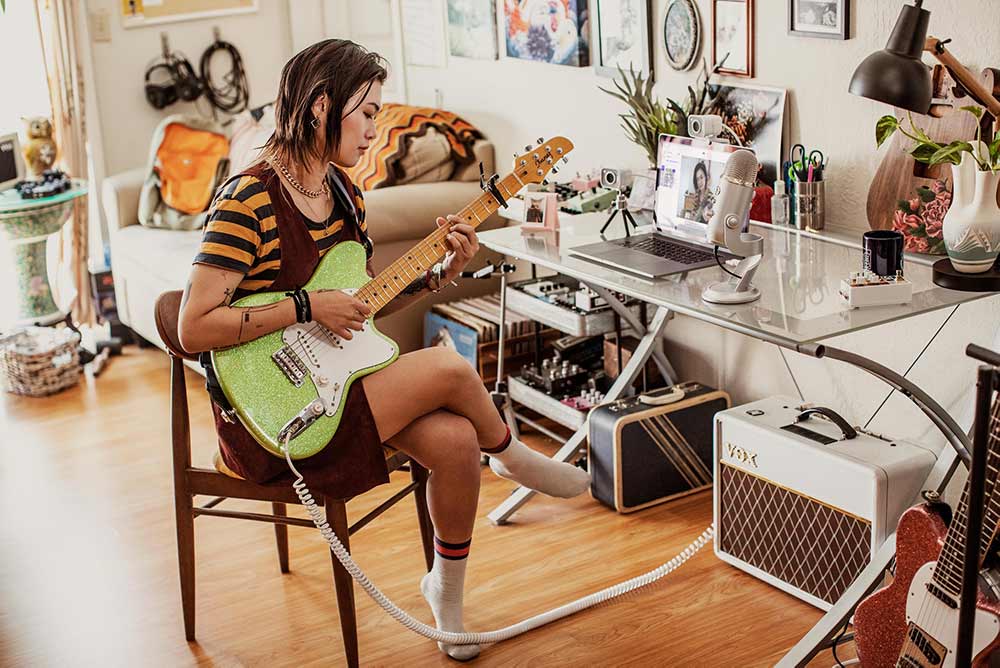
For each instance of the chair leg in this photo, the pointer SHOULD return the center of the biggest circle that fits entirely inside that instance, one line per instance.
(336, 515)
(185, 559)
(281, 536)
(419, 475)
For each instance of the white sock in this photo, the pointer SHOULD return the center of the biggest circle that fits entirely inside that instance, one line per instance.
(535, 471)
(443, 588)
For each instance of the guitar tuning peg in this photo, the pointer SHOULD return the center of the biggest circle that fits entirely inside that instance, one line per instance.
(540, 141)
(555, 170)
(565, 160)
(527, 147)
(545, 182)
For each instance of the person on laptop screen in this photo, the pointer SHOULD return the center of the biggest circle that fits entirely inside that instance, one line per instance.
(699, 199)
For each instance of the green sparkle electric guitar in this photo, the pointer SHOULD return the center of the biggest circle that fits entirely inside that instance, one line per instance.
(293, 383)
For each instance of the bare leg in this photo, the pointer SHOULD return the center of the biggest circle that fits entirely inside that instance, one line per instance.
(445, 444)
(434, 379)
(426, 380)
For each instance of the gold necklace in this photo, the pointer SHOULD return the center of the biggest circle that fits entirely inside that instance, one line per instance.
(312, 194)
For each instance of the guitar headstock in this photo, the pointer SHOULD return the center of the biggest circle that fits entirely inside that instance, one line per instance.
(534, 164)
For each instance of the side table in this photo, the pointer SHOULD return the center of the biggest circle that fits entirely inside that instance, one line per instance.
(25, 226)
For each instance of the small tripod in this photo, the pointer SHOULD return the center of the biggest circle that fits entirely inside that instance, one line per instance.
(620, 205)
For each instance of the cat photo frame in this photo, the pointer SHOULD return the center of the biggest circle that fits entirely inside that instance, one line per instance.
(11, 162)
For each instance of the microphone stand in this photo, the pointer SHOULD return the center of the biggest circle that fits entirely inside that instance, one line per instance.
(739, 288)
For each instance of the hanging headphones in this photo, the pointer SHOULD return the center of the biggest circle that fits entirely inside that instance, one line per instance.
(164, 93)
(179, 82)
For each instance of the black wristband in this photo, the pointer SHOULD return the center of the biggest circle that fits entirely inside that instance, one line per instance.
(308, 305)
(300, 308)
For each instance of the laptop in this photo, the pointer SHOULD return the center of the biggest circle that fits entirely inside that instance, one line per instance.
(687, 181)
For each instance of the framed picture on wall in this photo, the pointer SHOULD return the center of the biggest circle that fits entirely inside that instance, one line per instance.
(820, 18)
(472, 29)
(549, 31)
(733, 37)
(623, 37)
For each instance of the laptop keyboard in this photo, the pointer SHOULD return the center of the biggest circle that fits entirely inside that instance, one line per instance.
(671, 251)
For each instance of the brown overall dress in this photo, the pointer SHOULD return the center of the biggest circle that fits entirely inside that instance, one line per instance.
(353, 461)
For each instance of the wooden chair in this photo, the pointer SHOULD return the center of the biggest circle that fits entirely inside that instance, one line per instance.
(222, 484)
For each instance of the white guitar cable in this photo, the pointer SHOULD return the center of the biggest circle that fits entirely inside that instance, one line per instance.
(479, 638)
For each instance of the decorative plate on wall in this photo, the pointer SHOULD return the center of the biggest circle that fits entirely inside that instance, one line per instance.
(681, 33)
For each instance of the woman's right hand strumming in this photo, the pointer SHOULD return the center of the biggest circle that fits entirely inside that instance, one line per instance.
(338, 311)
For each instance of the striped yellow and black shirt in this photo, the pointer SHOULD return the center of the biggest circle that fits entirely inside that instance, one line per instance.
(241, 233)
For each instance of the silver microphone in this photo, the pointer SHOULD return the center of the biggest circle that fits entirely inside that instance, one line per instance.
(732, 206)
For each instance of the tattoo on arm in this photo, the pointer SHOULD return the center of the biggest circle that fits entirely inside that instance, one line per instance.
(187, 294)
(245, 317)
(226, 298)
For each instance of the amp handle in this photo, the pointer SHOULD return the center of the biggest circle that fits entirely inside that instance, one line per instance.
(849, 431)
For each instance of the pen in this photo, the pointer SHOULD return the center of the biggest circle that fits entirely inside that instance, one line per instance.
(809, 177)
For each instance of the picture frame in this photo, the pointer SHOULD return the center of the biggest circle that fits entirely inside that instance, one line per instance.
(472, 29)
(828, 19)
(682, 31)
(757, 115)
(137, 14)
(12, 167)
(541, 211)
(733, 37)
(623, 37)
(563, 40)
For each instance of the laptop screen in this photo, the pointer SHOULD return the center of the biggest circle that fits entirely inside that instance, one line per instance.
(687, 182)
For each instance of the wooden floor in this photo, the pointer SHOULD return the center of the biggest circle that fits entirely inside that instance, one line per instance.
(88, 566)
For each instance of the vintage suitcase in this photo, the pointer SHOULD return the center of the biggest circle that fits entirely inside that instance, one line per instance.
(802, 499)
(643, 451)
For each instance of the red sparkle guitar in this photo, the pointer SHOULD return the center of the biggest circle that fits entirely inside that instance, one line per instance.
(913, 622)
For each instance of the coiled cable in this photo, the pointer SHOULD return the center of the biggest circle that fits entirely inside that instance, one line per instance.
(233, 95)
(478, 638)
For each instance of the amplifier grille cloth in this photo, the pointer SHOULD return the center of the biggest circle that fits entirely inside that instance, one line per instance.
(814, 548)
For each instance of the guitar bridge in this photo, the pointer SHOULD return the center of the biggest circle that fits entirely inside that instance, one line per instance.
(291, 365)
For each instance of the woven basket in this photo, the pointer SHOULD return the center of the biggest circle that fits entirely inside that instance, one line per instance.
(38, 361)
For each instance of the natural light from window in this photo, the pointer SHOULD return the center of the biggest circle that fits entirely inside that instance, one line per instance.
(24, 93)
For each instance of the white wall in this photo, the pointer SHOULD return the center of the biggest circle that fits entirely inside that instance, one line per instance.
(515, 101)
(127, 120)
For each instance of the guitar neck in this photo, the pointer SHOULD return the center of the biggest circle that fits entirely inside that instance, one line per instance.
(414, 263)
(949, 569)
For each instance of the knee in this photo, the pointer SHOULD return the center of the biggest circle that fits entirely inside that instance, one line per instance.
(461, 436)
(455, 369)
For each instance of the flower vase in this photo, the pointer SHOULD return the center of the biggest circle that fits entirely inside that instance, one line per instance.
(972, 224)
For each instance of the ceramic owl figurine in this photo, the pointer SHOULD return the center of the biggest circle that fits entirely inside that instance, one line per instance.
(40, 149)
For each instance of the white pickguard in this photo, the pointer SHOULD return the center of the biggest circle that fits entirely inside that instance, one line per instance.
(331, 360)
(940, 621)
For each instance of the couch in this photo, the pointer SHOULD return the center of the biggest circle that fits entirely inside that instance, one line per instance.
(146, 262)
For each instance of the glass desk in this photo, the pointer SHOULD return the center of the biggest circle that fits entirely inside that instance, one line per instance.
(799, 279)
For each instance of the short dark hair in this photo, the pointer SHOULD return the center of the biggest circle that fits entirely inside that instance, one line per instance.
(337, 67)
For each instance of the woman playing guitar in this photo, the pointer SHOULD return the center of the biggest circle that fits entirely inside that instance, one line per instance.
(267, 230)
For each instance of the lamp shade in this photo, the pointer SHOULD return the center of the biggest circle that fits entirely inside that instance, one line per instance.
(896, 75)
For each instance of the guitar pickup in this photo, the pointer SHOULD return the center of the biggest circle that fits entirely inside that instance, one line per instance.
(291, 365)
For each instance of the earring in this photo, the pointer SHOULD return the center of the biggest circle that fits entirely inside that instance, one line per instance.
(314, 123)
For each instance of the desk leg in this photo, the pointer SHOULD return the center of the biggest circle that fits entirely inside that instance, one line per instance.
(568, 452)
(632, 320)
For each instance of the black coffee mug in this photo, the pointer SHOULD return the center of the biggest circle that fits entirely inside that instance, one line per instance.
(883, 252)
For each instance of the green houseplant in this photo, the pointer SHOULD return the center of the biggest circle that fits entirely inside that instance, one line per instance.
(648, 118)
(968, 219)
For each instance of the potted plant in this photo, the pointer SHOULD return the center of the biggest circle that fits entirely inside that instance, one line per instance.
(648, 118)
(971, 227)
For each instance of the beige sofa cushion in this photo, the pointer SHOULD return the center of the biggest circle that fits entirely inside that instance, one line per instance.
(427, 159)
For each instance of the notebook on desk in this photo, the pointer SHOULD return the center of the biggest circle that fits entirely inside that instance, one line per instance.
(687, 180)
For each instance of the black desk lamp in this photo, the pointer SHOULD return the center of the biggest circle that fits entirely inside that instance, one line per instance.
(897, 76)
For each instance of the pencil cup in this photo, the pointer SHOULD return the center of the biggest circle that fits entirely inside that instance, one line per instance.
(809, 204)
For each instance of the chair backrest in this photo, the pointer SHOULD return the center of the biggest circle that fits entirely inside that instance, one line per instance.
(167, 312)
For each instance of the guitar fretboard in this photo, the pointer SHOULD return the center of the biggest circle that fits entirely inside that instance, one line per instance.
(414, 263)
(948, 571)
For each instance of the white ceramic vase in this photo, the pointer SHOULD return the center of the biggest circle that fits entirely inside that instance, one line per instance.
(972, 224)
